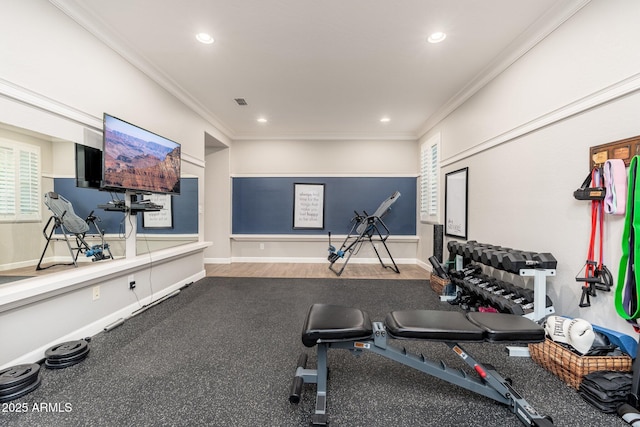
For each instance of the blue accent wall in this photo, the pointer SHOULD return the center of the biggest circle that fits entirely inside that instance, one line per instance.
(265, 205)
(85, 200)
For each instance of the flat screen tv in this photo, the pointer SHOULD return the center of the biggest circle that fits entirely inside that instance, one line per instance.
(138, 160)
(88, 167)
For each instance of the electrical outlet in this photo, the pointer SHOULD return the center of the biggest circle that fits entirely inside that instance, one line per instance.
(132, 285)
(261, 245)
(96, 292)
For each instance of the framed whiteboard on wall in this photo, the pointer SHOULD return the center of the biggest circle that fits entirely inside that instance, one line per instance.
(162, 218)
(308, 206)
(455, 206)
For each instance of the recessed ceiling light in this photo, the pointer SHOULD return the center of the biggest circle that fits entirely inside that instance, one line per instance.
(437, 37)
(204, 38)
(385, 120)
(262, 120)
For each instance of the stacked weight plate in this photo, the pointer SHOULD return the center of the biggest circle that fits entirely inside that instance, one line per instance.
(19, 380)
(66, 354)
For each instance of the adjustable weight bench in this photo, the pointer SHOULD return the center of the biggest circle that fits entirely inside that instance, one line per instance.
(333, 326)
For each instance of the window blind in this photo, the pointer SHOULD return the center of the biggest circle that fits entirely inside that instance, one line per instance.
(429, 171)
(19, 182)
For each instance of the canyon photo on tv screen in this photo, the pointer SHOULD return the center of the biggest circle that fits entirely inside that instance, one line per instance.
(138, 160)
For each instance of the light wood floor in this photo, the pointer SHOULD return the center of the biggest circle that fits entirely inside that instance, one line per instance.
(31, 271)
(296, 270)
(352, 271)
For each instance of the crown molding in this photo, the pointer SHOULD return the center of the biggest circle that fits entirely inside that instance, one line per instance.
(608, 94)
(28, 97)
(33, 99)
(108, 35)
(538, 31)
(545, 25)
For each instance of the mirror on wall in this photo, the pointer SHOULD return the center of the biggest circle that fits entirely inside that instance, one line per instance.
(32, 164)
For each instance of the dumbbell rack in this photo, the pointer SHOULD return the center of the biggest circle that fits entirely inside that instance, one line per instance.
(540, 309)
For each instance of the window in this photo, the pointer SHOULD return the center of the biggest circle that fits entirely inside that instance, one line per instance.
(19, 182)
(429, 172)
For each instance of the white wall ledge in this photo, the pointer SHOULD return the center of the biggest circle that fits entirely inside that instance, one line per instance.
(27, 291)
(312, 238)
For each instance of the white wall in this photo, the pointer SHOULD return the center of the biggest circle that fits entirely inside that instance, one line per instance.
(323, 158)
(526, 136)
(218, 205)
(57, 79)
(320, 158)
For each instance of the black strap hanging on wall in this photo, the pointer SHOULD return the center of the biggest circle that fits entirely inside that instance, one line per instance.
(588, 191)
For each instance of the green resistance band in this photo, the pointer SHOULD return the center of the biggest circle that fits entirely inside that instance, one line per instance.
(627, 273)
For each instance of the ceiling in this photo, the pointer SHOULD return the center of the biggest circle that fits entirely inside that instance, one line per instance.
(321, 69)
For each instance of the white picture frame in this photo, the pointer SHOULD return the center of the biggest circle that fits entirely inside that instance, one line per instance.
(162, 218)
(308, 206)
(455, 206)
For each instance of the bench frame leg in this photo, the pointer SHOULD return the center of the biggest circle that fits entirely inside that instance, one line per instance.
(313, 376)
(489, 382)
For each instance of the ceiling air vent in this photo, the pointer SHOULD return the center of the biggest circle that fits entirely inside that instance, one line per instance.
(240, 101)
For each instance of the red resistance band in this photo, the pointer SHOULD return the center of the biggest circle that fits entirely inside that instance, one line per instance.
(597, 275)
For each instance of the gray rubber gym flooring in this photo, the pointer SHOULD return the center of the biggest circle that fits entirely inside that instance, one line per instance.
(223, 352)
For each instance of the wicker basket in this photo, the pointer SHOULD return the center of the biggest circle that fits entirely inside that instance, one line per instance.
(569, 366)
(438, 284)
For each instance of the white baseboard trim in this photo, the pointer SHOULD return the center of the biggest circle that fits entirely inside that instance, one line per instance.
(98, 326)
(22, 264)
(217, 260)
(425, 265)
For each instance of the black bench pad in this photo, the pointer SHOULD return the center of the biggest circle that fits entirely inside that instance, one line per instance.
(455, 326)
(432, 325)
(334, 323)
(501, 327)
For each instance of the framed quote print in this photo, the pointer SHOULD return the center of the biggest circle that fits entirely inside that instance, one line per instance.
(308, 206)
(455, 204)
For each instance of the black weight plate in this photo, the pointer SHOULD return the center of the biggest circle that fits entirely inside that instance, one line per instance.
(53, 363)
(61, 365)
(22, 391)
(16, 375)
(78, 356)
(65, 363)
(66, 349)
(10, 390)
